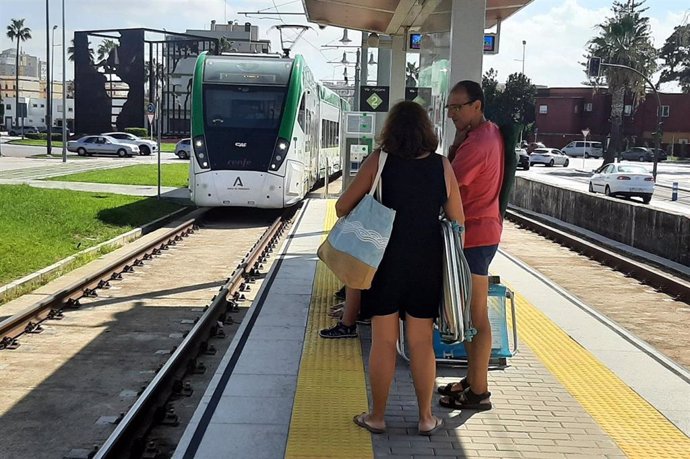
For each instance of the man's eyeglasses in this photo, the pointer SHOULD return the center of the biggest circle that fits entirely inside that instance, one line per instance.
(457, 107)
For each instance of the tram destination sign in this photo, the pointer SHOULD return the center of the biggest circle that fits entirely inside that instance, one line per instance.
(374, 99)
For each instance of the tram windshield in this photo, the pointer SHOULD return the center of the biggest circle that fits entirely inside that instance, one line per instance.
(243, 107)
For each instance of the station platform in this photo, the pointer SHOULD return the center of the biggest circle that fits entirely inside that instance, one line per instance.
(579, 387)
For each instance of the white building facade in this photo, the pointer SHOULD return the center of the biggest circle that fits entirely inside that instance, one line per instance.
(36, 112)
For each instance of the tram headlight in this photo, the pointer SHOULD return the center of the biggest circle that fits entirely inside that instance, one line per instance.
(200, 151)
(280, 152)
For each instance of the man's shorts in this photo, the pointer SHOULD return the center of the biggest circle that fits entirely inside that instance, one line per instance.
(479, 258)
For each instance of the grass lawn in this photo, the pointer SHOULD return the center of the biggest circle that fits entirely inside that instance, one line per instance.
(166, 147)
(145, 174)
(40, 227)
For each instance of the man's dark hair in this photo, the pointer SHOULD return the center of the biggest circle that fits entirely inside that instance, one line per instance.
(472, 89)
(408, 132)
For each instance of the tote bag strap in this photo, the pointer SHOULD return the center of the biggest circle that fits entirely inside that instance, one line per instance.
(382, 162)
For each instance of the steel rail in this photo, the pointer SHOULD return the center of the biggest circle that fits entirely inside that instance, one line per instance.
(667, 283)
(29, 320)
(128, 439)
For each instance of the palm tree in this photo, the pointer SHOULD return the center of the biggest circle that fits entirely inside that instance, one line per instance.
(17, 31)
(70, 52)
(624, 39)
(411, 74)
(105, 48)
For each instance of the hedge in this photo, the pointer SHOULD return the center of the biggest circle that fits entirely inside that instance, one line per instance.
(42, 136)
(139, 132)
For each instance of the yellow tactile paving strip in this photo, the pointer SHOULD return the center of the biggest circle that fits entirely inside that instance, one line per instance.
(331, 386)
(636, 426)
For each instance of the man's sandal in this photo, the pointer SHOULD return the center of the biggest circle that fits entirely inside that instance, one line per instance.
(447, 390)
(467, 400)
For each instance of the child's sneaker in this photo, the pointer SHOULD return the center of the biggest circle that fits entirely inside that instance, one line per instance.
(339, 331)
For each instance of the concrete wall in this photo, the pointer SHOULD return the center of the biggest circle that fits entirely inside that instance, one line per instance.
(661, 233)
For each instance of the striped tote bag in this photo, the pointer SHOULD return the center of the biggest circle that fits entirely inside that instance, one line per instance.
(355, 245)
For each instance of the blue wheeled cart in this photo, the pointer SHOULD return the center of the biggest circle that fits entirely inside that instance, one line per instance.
(504, 344)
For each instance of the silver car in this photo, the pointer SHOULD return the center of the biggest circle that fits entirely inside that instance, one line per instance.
(183, 148)
(102, 145)
(146, 147)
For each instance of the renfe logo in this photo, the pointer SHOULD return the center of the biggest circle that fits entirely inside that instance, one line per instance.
(238, 182)
(241, 144)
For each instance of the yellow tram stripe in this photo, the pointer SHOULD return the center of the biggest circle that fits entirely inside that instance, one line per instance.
(635, 425)
(331, 386)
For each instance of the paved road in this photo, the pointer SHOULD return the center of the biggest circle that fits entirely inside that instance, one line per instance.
(577, 177)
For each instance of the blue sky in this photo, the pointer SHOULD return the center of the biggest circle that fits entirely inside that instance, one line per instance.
(556, 31)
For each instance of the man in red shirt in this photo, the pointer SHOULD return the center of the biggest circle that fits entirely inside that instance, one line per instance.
(477, 159)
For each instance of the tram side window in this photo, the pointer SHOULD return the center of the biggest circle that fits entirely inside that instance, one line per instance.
(301, 116)
(329, 134)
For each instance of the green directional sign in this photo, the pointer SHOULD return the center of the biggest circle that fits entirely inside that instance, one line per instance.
(374, 101)
(374, 98)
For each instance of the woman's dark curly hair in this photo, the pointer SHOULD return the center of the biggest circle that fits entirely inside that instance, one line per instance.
(408, 132)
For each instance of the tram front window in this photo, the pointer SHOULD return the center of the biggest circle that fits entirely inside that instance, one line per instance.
(244, 107)
(242, 125)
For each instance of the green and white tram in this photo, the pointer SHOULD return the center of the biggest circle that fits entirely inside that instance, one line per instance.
(263, 131)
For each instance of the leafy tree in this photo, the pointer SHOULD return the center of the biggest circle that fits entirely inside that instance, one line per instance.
(512, 103)
(70, 52)
(226, 45)
(105, 48)
(625, 39)
(675, 55)
(411, 75)
(17, 31)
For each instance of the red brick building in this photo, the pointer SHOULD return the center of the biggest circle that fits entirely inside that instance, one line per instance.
(562, 113)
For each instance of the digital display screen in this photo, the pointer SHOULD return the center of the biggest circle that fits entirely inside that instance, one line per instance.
(415, 41)
(489, 43)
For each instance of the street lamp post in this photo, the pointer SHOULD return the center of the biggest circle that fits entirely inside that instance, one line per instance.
(64, 88)
(49, 108)
(585, 133)
(52, 77)
(524, 43)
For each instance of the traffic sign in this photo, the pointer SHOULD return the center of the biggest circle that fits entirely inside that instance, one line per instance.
(151, 108)
(150, 116)
(585, 132)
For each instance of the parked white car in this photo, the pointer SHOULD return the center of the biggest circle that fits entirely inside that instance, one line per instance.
(589, 149)
(102, 144)
(146, 146)
(623, 180)
(183, 148)
(548, 157)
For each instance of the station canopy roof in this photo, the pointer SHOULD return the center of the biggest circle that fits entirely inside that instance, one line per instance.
(390, 17)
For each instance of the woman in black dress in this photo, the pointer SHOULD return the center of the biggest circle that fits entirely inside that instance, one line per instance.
(417, 183)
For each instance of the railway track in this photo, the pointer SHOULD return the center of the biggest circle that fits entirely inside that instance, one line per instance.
(641, 270)
(614, 286)
(53, 306)
(141, 336)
